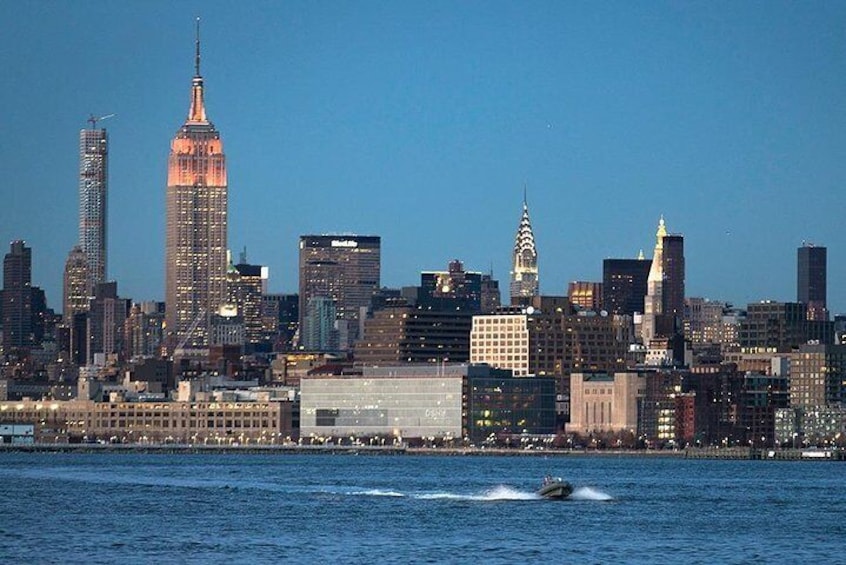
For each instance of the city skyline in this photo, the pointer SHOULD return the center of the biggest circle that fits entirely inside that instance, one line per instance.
(725, 120)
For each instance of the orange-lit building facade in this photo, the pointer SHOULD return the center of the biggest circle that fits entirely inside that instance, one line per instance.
(196, 244)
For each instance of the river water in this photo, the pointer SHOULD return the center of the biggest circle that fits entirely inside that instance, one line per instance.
(316, 508)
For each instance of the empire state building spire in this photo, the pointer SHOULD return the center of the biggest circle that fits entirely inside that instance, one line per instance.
(524, 275)
(197, 113)
(197, 195)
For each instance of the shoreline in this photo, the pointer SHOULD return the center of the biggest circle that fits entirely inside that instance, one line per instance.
(732, 453)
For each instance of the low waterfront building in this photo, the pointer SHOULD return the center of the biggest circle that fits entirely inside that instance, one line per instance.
(221, 423)
(605, 402)
(504, 409)
(427, 403)
(389, 404)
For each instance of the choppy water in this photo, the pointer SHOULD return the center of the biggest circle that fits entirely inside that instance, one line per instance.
(109, 508)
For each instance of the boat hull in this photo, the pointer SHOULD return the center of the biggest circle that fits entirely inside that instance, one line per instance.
(556, 490)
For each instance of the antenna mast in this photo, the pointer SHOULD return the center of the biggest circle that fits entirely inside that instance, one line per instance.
(197, 56)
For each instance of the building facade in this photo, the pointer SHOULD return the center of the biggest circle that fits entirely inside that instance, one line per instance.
(395, 404)
(17, 297)
(811, 271)
(196, 239)
(605, 402)
(414, 334)
(818, 376)
(106, 321)
(343, 268)
(548, 341)
(76, 287)
(93, 204)
(212, 423)
(245, 287)
(586, 295)
(624, 285)
(781, 326)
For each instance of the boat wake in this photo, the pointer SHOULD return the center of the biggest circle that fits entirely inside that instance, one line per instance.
(377, 492)
(500, 492)
(588, 493)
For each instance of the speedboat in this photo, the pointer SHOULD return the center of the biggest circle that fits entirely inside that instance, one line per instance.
(553, 487)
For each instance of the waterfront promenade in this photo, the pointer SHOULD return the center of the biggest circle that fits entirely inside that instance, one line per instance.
(736, 453)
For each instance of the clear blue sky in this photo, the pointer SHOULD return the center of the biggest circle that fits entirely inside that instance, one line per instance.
(421, 121)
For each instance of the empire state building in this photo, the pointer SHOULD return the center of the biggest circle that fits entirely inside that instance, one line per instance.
(196, 223)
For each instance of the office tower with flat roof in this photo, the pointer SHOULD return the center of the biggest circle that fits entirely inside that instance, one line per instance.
(624, 285)
(17, 297)
(674, 272)
(403, 333)
(524, 273)
(93, 200)
(76, 292)
(343, 268)
(811, 280)
(197, 192)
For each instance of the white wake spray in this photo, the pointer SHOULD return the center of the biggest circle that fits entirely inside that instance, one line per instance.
(588, 493)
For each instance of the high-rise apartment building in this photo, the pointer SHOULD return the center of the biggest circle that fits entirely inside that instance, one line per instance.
(624, 285)
(524, 273)
(76, 290)
(811, 280)
(343, 268)
(196, 245)
(17, 297)
(93, 195)
(818, 376)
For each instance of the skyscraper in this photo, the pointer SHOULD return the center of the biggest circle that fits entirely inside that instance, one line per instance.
(17, 297)
(245, 287)
(653, 304)
(663, 314)
(624, 285)
(344, 268)
(811, 280)
(93, 194)
(524, 274)
(76, 285)
(196, 222)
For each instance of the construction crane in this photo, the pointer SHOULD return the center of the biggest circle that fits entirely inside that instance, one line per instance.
(93, 119)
